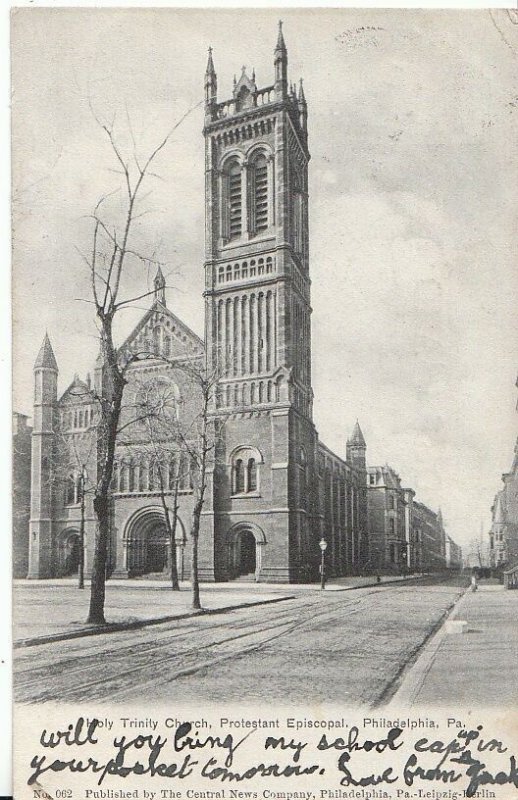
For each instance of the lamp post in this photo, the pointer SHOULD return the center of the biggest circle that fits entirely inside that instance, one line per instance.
(323, 547)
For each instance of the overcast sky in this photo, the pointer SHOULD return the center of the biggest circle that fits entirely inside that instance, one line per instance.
(412, 131)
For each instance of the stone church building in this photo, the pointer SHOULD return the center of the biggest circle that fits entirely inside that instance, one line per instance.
(275, 490)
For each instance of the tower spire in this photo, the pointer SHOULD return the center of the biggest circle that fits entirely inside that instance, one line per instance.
(281, 65)
(211, 86)
(159, 283)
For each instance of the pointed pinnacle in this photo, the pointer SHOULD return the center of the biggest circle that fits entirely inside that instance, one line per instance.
(280, 39)
(210, 64)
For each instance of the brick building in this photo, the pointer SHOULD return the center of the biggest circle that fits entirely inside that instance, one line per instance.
(390, 520)
(430, 538)
(274, 488)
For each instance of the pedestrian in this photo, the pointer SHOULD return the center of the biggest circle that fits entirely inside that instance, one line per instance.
(474, 585)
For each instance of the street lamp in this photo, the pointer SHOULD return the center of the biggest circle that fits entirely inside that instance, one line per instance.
(323, 547)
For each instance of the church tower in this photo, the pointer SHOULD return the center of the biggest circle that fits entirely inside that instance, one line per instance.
(258, 329)
(43, 435)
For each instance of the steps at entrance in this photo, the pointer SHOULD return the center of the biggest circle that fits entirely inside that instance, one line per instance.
(250, 578)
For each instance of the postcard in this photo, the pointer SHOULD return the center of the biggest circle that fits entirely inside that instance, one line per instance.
(264, 501)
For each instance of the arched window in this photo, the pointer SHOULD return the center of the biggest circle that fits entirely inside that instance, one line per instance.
(173, 473)
(70, 490)
(239, 476)
(245, 463)
(132, 477)
(252, 475)
(123, 478)
(234, 194)
(144, 476)
(221, 274)
(259, 194)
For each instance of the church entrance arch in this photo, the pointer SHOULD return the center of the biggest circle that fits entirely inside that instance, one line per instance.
(146, 542)
(246, 547)
(69, 553)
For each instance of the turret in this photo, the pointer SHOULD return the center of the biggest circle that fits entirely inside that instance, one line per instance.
(303, 108)
(357, 448)
(281, 65)
(42, 447)
(211, 87)
(159, 283)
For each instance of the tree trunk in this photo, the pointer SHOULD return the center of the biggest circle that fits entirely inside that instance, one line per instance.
(113, 383)
(195, 534)
(171, 530)
(81, 579)
(98, 580)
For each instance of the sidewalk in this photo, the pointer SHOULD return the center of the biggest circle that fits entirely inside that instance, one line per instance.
(53, 610)
(458, 669)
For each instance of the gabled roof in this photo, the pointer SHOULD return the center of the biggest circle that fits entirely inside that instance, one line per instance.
(77, 391)
(184, 341)
(46, 358)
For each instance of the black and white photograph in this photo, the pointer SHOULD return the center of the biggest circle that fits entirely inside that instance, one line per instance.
(265, 454)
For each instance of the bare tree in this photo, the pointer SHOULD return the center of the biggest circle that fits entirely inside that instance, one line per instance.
(111, 249)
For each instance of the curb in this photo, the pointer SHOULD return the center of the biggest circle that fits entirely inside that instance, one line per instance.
(382, 584)
(115, 627)
(411, 682)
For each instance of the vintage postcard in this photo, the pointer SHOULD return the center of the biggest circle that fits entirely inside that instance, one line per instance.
(265, 494)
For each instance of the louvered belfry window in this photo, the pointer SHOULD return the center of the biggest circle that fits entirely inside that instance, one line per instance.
(260, 194)
(234, 192)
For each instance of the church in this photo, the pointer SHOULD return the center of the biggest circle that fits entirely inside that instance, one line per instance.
(275, 490)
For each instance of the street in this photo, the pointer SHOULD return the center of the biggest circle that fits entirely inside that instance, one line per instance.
(335, 647)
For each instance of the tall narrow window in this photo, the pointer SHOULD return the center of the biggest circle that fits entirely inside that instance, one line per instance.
(260, 194)
(252, 475)
(70, 490)
(234, 199)
(239, 476)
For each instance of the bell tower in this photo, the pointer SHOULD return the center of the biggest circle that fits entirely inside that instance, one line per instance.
(257, 309)
(257, 285)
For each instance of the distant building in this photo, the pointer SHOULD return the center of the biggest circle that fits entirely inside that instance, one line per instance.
(453, 554)
(430, 538)
(503, 536)
(21, 493)
(390, 520)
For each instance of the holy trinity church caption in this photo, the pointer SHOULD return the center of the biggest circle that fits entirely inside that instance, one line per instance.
(274, 490)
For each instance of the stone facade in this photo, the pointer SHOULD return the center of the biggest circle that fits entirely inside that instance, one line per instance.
(430, 538)
(21, 493)
(503, 536)
(390, 521)
(274, 488)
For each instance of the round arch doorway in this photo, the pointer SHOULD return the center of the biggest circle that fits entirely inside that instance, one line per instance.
(146, 542)
(69, 553)
(246, 550)
(246, 555)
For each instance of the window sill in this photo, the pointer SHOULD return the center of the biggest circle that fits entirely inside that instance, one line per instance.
(245, 495)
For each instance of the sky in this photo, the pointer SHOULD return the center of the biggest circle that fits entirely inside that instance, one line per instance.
(413, 227)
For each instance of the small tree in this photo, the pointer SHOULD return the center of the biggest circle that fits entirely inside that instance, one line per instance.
(155, 437)
(199, 441)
